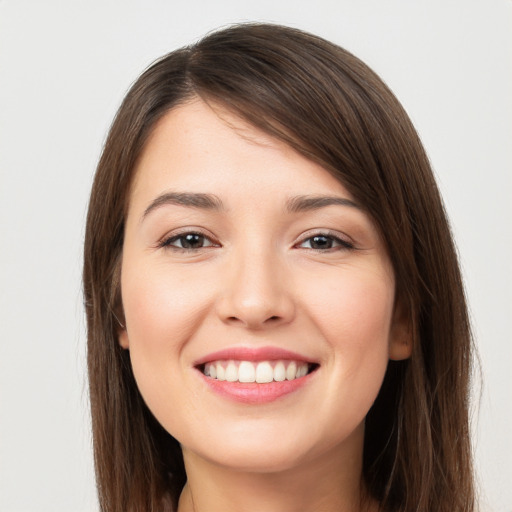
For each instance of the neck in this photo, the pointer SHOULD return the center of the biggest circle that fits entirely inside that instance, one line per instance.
(331, 482)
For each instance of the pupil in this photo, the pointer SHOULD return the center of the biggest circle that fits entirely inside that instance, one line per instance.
(192, 241)
(321, 242)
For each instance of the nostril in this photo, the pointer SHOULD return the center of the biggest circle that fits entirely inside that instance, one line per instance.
(273, 318)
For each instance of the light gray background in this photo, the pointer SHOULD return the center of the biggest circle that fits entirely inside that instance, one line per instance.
(64, 67)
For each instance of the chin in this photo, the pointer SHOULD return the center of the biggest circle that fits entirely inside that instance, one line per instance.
(255, 459)
(264, 448)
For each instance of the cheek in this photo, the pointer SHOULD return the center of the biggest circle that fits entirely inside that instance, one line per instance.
(355, 310)
(161, 308)
(162, 311)
(354, 315)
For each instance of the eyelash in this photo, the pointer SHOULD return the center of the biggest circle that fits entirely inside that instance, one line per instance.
(340, 243)
(166, 243)
(336, 239)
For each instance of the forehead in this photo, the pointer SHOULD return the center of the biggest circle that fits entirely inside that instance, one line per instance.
(199, 147)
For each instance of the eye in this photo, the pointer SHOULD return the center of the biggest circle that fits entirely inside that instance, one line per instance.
(324, 242)
(188, 242)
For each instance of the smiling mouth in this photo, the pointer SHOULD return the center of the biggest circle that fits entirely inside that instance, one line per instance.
(261, 372)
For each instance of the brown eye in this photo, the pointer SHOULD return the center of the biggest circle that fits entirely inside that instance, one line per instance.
(323, 242)
(188, 241)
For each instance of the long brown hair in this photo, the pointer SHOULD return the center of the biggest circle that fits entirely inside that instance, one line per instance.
(333, 109)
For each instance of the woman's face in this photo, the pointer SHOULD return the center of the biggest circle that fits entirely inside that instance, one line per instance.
(245, 261)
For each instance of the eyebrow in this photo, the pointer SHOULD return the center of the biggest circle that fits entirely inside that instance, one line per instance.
(307, 203)
(188, 199)
(212, 202)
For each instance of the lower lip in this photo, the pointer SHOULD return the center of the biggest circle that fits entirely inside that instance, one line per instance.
(254, 393)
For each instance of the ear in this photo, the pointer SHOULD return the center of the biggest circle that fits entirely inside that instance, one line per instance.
(122, 333)
(400, 336)
(122, 338)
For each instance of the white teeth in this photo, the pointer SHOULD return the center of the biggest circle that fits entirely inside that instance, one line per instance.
(221, 373)
(231, 372)
(291, 371)
(264, 373)
(246, 372)
(261, 372)
(302, 370)
(279, 372)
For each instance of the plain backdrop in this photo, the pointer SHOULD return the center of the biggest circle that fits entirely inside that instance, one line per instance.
(64, 68)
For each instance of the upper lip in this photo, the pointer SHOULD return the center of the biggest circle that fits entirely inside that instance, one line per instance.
(253, 354)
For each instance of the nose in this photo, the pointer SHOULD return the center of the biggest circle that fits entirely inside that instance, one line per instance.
(258, 292)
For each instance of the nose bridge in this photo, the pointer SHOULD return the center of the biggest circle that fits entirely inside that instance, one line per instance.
(257, 292)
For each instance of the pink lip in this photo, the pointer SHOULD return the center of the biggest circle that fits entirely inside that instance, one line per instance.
(253, 393)
(252, 354)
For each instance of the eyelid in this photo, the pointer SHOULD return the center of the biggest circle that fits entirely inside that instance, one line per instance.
(344, 241)
(164, 242)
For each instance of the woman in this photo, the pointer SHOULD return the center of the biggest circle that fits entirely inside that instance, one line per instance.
(276, 319)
